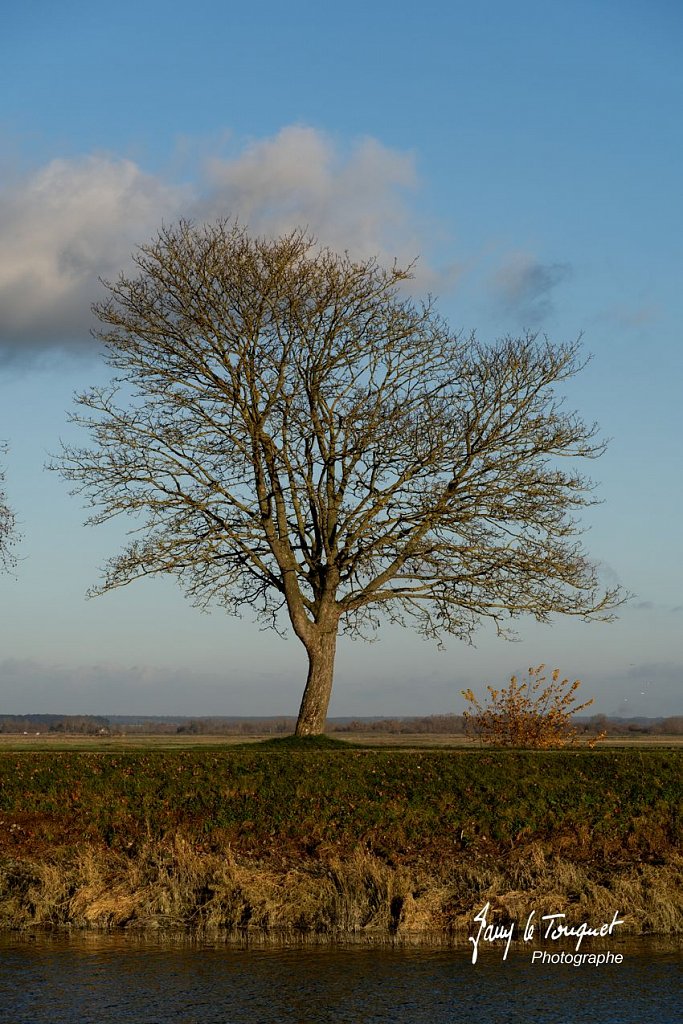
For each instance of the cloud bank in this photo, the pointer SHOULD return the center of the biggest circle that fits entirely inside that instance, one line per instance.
(30, 686)
(74, 221)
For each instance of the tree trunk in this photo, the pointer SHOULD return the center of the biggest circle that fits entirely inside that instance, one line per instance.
(316, 698)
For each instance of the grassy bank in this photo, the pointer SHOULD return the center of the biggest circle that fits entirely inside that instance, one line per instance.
(383, 843)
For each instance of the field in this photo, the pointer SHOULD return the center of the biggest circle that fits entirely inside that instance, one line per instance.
(334, 840)
(411, 741)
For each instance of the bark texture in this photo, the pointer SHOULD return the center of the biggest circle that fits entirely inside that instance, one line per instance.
(316, 698)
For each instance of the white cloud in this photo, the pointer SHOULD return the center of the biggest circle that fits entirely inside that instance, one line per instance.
(298, 179)
(71, 222)
(74, 221)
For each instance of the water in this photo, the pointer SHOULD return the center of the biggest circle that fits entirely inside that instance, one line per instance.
(107, 979)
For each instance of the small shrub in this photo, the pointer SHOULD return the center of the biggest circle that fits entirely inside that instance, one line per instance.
(532, 713)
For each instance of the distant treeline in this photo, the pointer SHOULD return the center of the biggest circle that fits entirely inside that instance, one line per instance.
(94, 725)
(671, 726)
(451, 725)
(89, 725)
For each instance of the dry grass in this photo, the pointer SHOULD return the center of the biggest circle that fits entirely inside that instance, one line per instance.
(176, 885)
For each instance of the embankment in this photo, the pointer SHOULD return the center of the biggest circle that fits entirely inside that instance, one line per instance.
(380, 844)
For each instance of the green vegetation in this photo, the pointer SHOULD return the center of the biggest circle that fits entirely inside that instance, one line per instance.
(290, 816)
(382, 798)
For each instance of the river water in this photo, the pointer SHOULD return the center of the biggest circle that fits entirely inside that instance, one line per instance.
(101, 979)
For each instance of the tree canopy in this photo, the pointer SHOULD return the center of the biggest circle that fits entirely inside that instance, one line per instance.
(294, 435)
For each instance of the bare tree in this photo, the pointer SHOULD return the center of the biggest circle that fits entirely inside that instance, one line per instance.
(294, 434)
(7, 525)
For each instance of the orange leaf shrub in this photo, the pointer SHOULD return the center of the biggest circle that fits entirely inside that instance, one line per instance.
(532, 713)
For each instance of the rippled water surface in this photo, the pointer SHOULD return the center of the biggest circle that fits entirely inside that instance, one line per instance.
(102, 979)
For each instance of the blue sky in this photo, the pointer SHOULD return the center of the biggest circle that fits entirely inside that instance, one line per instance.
(529, 154)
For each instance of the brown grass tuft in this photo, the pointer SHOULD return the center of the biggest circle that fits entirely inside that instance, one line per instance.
(178, 885)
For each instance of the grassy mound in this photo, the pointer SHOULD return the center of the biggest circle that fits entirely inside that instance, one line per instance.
(303, 743)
